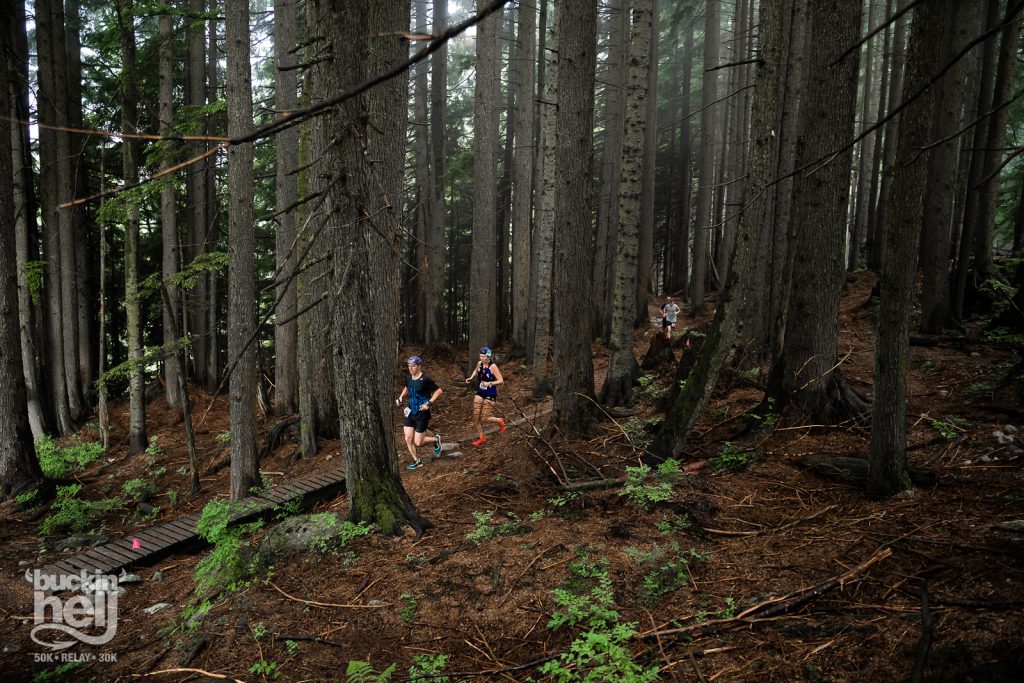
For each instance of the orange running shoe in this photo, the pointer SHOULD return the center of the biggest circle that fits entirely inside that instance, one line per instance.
(501, 426)
(480, 441)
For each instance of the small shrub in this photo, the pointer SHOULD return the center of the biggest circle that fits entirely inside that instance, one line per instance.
(485, 531)
(666, 572)
(71, 512)
(407, 612)
(646, 487)
(945, 429)
(265, 668)
(338, 533)
(225, 565)
(138, 489)
(673, 523)
(27, 499)
(731, 457)
(259, 630)
(224, 438)
(363, 672)
(291, 646)
(58, 461)
(428, 668)
(649, 389)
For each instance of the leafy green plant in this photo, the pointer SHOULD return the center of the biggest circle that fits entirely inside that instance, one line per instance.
(666, 571)
(599, 652)
(977, 390)
(928, 367)
(68, 511)
(224, 438)
(673, 523)
(731, 457)
(58, 673)
(565, 499)
(291, 646)
(428, 668)
(172, 497)
(945, 430)
(154, 448)
(407, 611)
(259, 630)
(138, 489)
(730, 609)
(265, 668)
(58, 461)
(768, 417)
(646, 487)
(338, 533)
(225, 565)
(649, 389)
(363, 672)
(27, 499)
(634, 430)
(485, 531)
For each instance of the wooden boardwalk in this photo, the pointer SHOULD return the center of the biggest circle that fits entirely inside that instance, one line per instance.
(163, 539)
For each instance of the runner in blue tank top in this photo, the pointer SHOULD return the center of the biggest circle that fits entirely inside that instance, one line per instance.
(486, 395)
(422, 392)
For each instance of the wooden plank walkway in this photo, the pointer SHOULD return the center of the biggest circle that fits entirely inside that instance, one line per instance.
(163, 539)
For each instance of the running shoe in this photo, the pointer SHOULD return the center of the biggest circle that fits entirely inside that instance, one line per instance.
(437, 444)
(501, 426)
(480, 441)
(414, 464)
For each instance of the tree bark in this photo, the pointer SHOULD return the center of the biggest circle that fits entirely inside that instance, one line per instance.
(622, 365)
(26, 232)
(698, 378)
(681, 236)
(241, 264)
(574, 369)
(806, 375)
(942, 181)
(869, 105)
(645, 253)
(522, 196)
(287, 150)
(168, 213)
(887, 466)
(434, 321)
(483, 269)
(19, 467)
(704, 220)
(543, 239)
(367, 225)
(195, 299)
(137, 437)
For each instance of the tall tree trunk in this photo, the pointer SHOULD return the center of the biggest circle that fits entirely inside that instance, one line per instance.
(241, 264)
(137, 438)
(522, 197)
(806, 375)
(622, 365)
(942, 178)
(211, 233)
(876, 241)
(611, 166)
(885, 76)
(708, 141)
(503, 298)
(544, 235)
(695, 387)
(483, 269)
(887, 472)
(19, 467)
(287, 150)
(83, 265)
(168, 212)
(995, 139)
(540, 109)
(422, 190)
(365, 266)
(735, 135)
(869, 105)
(681, 248)
(434, 322)
(26, 234)
(195, 300)
(49, 190)
(645, 253)
(574, 367)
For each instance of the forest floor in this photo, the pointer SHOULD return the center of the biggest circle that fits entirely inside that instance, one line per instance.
(755, 569)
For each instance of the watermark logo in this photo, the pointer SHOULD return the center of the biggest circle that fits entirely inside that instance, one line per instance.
(95, 608)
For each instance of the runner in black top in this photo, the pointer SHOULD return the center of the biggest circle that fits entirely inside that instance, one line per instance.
(486, 394)
(423, 393)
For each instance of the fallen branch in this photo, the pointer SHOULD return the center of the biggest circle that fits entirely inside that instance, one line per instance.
(324, 604)
(775, 606)
(191, 671)
(924, 645)
(788, 525)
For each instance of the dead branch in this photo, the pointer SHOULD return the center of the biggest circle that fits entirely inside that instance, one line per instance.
(201, 672)
(324, 604)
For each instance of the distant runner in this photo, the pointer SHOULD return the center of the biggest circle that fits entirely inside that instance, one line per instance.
(669, 314)
(486, 394)
(423, 393)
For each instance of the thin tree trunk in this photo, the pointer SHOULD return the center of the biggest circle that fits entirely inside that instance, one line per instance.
(708, 141)
(211, 231)
(195, 299)
(287, 150)
(887, 469)
(168, 213)
(241, 265)
(681, 268)
(869, 106)
(434, 322)
(543, 241)
(522, 198)
(641, 317)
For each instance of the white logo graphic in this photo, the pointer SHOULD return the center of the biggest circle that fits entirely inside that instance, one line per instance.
(95, 608)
